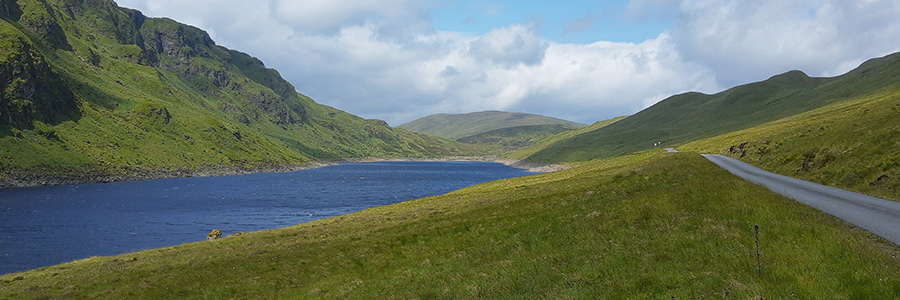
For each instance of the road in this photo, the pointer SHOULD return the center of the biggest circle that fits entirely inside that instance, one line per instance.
(879, 216)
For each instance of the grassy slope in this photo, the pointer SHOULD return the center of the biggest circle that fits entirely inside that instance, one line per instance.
(693, 116)
(644, 226)
(456, 126)
(184, 103)
(550, 140)
(851, 144)
(512, 138)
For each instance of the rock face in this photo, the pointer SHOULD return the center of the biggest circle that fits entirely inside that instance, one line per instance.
(9, 9)
(191, 53)
(256, 93)
(29, 88)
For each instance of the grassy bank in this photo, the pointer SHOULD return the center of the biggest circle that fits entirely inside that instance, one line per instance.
(643, 226)
(851, 145)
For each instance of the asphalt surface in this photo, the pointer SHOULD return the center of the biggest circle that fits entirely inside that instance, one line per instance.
(879, 216)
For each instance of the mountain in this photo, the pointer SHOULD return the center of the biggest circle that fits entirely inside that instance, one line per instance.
(850, 144)
(468, 126)
(91, 89)
(693, 116)
(647, 225)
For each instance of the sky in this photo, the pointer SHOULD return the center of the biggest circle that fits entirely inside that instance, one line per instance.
(585, 61)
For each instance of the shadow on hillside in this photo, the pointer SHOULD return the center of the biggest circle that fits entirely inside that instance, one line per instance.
(84, 94)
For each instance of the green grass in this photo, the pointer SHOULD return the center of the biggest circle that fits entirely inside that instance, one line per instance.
(543, 143)
(643, 226)
(694, 116)
(458, 126)
(851, 144)
(646, 225)
(514, 138)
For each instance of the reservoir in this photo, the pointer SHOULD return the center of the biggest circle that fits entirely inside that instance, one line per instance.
(45, 226)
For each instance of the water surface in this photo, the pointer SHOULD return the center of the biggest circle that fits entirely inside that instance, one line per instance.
(50, 225)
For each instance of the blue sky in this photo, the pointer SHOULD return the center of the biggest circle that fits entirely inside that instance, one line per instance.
(398, 60)
(564, 21)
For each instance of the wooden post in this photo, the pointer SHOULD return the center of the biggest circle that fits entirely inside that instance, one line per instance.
(758, 265)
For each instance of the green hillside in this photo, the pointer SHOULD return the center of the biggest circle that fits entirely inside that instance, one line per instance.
(91, 91)
(851, 144)
(90, 88)
(457, 126)
(648, 226)
(515, 137)
(545, 142)
(692, 116)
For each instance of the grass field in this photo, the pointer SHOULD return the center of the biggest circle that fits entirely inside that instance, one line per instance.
(646, 226)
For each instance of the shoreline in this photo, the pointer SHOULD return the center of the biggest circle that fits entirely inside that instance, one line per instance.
(21, 179)
(518, 164)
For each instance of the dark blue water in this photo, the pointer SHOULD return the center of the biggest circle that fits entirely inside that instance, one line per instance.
(50, 225)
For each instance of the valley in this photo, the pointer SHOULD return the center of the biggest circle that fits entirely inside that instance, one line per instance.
(95, 92)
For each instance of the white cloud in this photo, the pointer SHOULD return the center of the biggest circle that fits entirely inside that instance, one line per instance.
(510, 46)
(751, 40)
(384, 59)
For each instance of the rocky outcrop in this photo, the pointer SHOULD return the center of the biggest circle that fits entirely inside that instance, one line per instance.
(29, 178)
(29, 88)
(162, 43)
(10, 10)
(42, 20)
(191, 53)
(738, 149)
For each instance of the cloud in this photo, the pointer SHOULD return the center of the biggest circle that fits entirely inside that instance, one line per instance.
(510, 46)
(387, 60)
(357, 61)
(744, 41)
(449, 71)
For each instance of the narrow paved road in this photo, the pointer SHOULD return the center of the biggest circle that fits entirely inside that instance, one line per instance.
(879, 216)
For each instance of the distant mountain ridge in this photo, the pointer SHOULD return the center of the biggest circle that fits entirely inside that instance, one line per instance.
(693, 116)
(458, 126)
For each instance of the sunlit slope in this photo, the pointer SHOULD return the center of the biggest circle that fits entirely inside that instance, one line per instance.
(89, 88)
(457, 126)
(550, 140)
(646, 227)
(511, 138)
(853, 144)
(692, 116)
